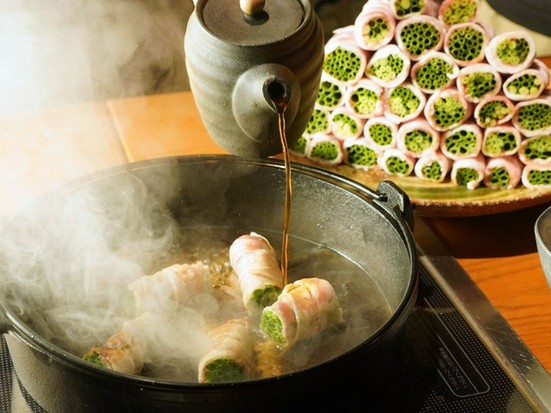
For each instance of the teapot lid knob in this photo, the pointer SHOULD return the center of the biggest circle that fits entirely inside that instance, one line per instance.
(252, 7)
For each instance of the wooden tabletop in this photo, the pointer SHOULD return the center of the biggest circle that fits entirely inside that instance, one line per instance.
(45, 149)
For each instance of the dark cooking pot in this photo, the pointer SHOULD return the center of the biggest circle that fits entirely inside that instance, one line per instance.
(371, 229)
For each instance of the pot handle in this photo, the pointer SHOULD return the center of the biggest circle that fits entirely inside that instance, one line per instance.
(397, 201)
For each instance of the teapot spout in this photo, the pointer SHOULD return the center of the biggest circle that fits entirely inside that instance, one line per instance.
(277, 93)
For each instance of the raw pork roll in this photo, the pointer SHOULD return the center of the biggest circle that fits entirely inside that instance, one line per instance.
(374, 27)
(468, 172)
(526, 84)
(453, 12)
(466, 43)
(537, 176)
(479, 81)
(300, 146)
(382, 132)
(503, 173)
(418, 35)
(364, 99)
(318, 122)
(304, 309)
(403, 103)
(230, 357)
(533, 117)
(464, 141)
(254, 261)
(325, 149)
(432, 167)
(330, 93)
(345, 124)
(447, 109)
(404, 9)
(536, 150)
(511, 52)
(494, 110)
(433, 72)
(388, 67)
(417, 139)
(501, 141)
(396, 162)
(344, 61)
(361, 153)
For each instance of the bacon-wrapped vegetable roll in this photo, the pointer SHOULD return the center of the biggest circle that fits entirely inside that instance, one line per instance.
(416, 138)
(254, 261)
(418, 35)
(300, 146)
(493, 111)
(453, 12)
(364, 99)
(361, 153)
(403, 103)
(526, 84)
(447, 109)
(382, 132)
(468, 172)
(466, 43)
(304, 309)
(432, 167)
(536, 150)
(345, 124)
(389, 66)
(434, 71)
(325, 149)
(319, 121)
(464, 141)
(537, 176)
(503, 173)
(533, 117)
(330, 93)
(344, 61)
(478, 81)
(374, 27)
(396, 162)
(230, 357)
(403, 9)
(511, 52)
(500, 141)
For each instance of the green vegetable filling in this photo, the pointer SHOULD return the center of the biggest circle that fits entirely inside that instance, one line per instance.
(318, 122)
(433, 75)
(461, 143)
(460, 11)
(381, 134)
(466, 44)
(479, 84)
(299, 146)
(361, 155)
(499, 142)
(329, 95)
(266, 296)
(492, 112)
(325, 150)
(387, 68)
(396, 165)
(539, 178)
(418, 140)
(432, 171)
(465, 175)
(95, 358)
(407, 7)
(345, 125)
(499, 177)
(448, 111)
(375, 31)
(364, 101)
(403, 101)
(525, 85)
(538, 148)
(417, 38)
(513, 51)
(342, 64)
(223, 370)
(270, 324)
(534, 116)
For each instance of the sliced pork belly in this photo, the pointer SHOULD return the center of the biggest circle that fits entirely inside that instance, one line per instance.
(416, 138)
(503, 172)
(468, 172)
(433, 167)
(478, 81)
(418, 35)
(511, 52)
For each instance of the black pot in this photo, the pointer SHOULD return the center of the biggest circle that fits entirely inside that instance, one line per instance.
(369, 228)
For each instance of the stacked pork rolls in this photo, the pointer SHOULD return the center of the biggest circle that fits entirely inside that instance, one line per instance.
(420, 88)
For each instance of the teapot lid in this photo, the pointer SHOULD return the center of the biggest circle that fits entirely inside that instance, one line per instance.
(273, 20)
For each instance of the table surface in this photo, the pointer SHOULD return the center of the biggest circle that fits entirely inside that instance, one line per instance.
(45, 149)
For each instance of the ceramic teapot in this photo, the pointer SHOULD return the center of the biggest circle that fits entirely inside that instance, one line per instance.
(248, 59)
